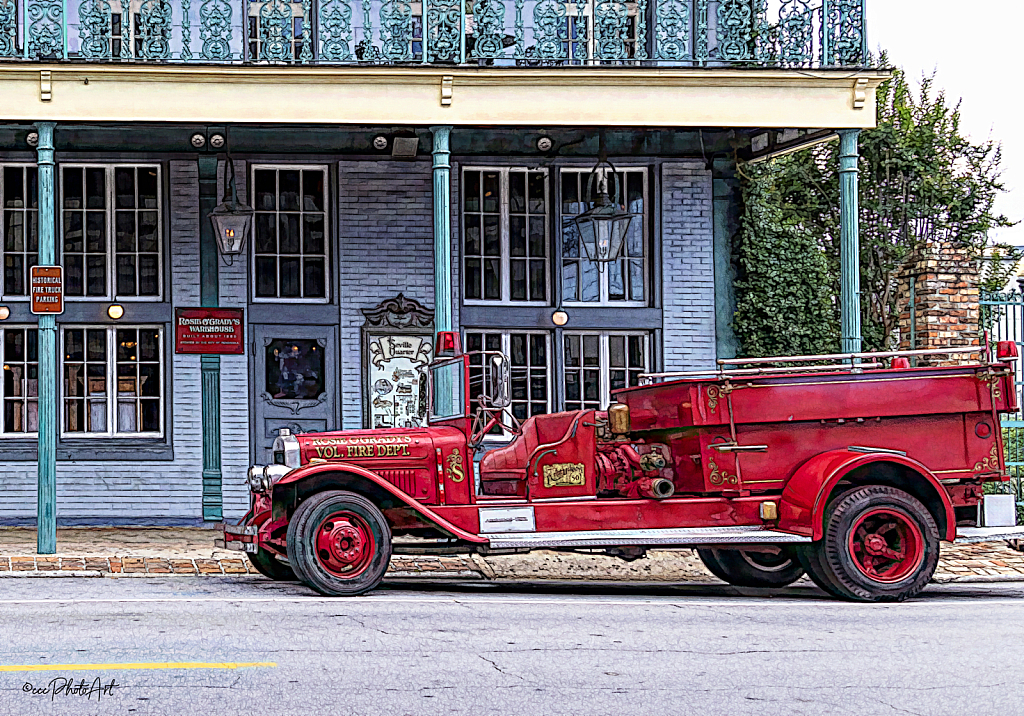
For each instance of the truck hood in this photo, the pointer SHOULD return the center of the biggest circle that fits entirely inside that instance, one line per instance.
(367, 446)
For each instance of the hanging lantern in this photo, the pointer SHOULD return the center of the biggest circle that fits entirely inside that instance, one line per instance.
(603, 227)
(231, 220)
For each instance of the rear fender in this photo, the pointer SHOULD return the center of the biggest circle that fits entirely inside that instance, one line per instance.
(304, 481)
(805, 497)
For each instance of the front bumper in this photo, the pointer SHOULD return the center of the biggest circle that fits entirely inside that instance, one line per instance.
(241, 538)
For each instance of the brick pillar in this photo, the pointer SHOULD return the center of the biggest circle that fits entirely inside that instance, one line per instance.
(945, 309)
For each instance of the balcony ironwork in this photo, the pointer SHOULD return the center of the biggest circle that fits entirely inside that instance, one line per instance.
(513, 33)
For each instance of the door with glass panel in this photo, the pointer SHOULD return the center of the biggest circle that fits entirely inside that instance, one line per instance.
(294, 382)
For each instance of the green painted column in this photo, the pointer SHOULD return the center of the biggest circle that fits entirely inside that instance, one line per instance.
(849, 241)
(442, 229)
(209, 296)
(46, 498)
(727, 207)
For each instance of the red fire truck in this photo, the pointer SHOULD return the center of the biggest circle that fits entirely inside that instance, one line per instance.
(851, 468)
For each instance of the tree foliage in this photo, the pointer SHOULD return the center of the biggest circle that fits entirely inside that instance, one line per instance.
(922, 183)
(778, 314)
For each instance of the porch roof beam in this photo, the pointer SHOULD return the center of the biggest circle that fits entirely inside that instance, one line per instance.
(529, 97)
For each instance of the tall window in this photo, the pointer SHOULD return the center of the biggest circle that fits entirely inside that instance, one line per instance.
(113, 381)
(19, 192)
(598, 363)
(529, 356)
(20, 389)
(290, 250)
(111, 231)
(275, 31)
(623, 282)
(505, 235)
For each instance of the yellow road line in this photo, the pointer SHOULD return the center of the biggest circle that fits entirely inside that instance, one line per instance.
(139, 665)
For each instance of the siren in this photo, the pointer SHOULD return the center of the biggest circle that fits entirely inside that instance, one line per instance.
(1007, 350)
(449, 344)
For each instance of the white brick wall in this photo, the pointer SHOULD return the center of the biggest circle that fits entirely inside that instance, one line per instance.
(386, 247)
(688, 267)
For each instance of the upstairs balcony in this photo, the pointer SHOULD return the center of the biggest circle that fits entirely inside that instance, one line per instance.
(764, 34)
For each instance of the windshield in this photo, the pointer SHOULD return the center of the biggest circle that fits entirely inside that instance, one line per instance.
(447, 394)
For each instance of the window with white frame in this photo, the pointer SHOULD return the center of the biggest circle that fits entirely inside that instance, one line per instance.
(112, 381)
(110, 217)
(530, 363)
(624, 281)
(20, 389)
(505, 255)
(290, 247)
(19, 232)
(597, 363)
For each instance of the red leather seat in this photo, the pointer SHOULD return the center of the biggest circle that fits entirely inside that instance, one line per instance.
(503, 469)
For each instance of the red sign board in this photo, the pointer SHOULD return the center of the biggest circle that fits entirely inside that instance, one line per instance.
(47, 289)
(209, 330)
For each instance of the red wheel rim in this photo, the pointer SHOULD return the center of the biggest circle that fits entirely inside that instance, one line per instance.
(344, 544)
(886, 545)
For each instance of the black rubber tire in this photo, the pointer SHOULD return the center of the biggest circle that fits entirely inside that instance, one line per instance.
(837, 564)
(270, 566)
(809, 556)
(302, 553)
(752, 569)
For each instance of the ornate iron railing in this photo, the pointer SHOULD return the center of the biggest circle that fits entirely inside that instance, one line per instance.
(687, 33)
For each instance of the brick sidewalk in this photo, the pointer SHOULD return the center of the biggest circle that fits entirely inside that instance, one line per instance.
(189, 551)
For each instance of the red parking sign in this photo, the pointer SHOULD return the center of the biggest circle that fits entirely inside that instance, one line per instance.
(47, 289)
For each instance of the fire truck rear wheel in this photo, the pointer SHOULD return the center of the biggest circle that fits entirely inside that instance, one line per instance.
(339, 543)
(270, 567)
(880, 545)
(752, 569)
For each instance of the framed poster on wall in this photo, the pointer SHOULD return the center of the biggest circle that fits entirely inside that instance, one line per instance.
(398, 344)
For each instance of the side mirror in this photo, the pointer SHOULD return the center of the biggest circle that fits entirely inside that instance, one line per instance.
(496, 381)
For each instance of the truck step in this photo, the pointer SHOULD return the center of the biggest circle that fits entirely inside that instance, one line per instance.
(695, 536)
(968, 535)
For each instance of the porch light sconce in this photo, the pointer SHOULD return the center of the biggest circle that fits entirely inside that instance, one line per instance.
(603, 227)
(5, 313)
(559, 318)
(231, 220)
(115, 311)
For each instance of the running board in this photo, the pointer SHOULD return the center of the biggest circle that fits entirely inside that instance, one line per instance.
(969, 535)
(695, 536)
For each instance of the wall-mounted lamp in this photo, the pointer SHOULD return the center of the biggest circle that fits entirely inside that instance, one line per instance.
(559, 317)
(603, 227)
(115, 311)
(5, 313)
(231, 220)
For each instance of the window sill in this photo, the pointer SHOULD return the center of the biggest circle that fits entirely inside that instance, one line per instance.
(126, 450)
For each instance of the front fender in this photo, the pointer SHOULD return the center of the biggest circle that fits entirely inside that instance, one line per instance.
(802, 507)
(310, 472)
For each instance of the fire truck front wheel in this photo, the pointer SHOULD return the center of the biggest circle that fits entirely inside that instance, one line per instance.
(339, 543)
(880, 545)
(752, 569)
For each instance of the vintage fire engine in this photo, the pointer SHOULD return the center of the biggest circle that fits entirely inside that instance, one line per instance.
(850, 468)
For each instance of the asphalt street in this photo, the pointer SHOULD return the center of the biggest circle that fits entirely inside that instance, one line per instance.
(249, 646)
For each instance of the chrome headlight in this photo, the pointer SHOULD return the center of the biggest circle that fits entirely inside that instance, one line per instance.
(254, 477)
(286, 449)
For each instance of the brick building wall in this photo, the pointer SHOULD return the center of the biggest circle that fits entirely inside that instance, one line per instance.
(945, 301)
(688, 266)
(385, 246)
